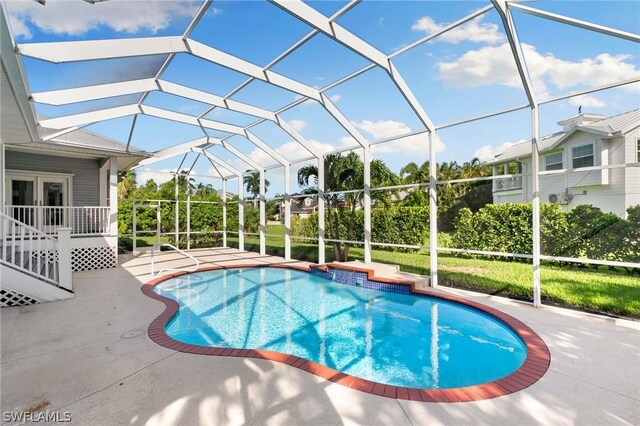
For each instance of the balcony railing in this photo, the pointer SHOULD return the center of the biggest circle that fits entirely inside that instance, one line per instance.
(82, 220)
(507, 184)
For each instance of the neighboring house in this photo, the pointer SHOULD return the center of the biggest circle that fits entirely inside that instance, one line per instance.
(300, 206)
(58, 195)
(567, 165)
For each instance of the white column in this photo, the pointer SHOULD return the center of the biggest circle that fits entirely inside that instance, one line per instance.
(287, 212)
(176, 221)
(240, 213)
(224, 213)
(321, 225)
(263, 225)
(158, 228)
(64, 258)
(188, 219)
(535, 167)
(433, 211)
(113, 196)
(104, 187)
(367, 203)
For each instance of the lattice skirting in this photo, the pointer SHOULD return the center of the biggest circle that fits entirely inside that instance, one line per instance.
(89, 258)
(11, 298)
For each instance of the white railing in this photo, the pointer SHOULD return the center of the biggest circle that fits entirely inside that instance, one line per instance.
(163, 271)
(36, 253)
(88, 220)
(507, 184)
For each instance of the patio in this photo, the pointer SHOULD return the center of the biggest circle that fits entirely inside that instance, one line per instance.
(91, 356)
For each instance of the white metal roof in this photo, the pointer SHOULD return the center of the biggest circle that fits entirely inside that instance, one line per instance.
(621, 123)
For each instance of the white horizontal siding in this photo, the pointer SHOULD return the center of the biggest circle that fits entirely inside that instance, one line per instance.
(86, 176)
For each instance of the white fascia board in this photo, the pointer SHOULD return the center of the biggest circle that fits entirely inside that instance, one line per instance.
(88, 50)
(320, 22)
(89, 93)
(90, 117)
(236, 64)
(182, 148)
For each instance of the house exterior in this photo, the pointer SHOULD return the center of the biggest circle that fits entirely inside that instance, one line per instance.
(570, 162)
(58, 195)
(301, 206)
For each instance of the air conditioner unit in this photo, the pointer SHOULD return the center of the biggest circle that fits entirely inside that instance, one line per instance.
(562, 198)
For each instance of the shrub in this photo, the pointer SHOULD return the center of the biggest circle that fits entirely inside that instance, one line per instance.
(585, 231)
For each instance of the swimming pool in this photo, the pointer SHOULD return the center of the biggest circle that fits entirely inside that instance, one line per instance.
(388, 338)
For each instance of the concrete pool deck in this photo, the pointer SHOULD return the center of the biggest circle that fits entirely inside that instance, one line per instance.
(91, 356)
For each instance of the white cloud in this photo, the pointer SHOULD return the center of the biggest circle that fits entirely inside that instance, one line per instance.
(298, 124)
(475, 31)
(488, 152)
(495, 65)
(158, 176)
(335, 98)
(383, 129)
(64, 17)
(587, 101)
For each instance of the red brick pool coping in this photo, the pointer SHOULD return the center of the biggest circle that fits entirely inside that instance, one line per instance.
(534, 367)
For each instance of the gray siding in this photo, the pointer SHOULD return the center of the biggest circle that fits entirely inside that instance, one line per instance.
(86, 172)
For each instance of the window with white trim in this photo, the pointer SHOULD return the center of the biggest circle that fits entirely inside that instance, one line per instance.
(638, 150)
(582, 156)
(553, 161)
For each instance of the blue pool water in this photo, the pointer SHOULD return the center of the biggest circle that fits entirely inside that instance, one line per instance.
(390, 338)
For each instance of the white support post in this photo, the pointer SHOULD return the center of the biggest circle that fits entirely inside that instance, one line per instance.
(287, 212)
(188, 219)
(367, 203)
(158, 227)
(263, 223)
(224, 212)
(64, 258)
(535, 168)
(240, 213)
(113, 196)
(321, 224)
(433, 212)
(176, 221)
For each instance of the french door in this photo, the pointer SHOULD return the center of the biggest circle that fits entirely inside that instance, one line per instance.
(40, 201)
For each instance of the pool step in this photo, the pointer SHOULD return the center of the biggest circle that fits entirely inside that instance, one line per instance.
(390, 271)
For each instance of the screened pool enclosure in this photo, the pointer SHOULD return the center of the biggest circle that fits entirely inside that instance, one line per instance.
(248, 128)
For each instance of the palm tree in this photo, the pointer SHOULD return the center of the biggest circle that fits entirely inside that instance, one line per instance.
(343, 173)
(127, 185)
(412, 173)
(252, 184)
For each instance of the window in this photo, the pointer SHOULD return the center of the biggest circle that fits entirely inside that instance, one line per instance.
(638, 151)
(553, 161)
(582, 156)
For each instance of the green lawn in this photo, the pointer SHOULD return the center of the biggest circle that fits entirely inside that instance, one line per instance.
(602, 290)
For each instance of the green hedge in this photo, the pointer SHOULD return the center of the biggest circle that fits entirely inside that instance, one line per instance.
(392, 224)
(585, 231)
(204, 217)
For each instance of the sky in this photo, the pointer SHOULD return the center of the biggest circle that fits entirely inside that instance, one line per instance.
(465, 72)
